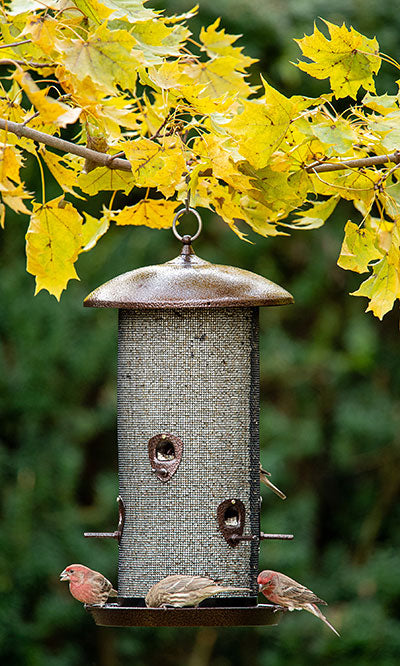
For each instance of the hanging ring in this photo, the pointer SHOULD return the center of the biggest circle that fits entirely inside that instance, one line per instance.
(180, 212)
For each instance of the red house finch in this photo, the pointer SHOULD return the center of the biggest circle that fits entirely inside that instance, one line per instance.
(88, 586)
(264, 479)
(284, 591)
(182, 591)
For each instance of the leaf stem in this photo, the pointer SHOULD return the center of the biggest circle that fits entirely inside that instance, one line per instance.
(42, 178)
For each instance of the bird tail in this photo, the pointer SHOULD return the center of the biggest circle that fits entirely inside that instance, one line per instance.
(268, 483)
(312, 608)
(113, 593)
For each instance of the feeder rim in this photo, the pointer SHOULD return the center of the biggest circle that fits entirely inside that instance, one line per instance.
(187, 282)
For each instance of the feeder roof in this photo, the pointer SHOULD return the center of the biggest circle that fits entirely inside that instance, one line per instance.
(187, 282)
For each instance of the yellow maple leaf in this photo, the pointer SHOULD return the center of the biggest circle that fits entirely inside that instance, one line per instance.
(10, 163)
(262, 219)
(156, 214)
(51, 110)
(108, 112)
(105, 57)
(220, 75)
(222, 157)
(64, 169)
(261, 126)
(225, 201)
(383, 104)
(92, 230)
(218, 42)
(42, 30)
(280, 191)
(153, 113)
(200, 103)
(156, 39)
(358, 248)
(315, 216)
(355, 185)
(13, 195)
(131, 10)
(168, 75)
(156, 165)
(53, 242)
(94, 10)
(382, 288)
(337, 136)
(12, 190)
(348, 59)
(386, 130)
(104, 178)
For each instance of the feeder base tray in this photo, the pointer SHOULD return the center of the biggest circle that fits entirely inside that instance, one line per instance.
(112, 615)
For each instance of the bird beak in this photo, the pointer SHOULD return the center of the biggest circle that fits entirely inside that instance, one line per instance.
(64, 575)
(260, 587)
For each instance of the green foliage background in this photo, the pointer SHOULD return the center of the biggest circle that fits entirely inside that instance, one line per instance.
(329, 422)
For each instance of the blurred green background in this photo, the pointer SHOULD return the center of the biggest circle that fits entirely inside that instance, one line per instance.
(330, 381)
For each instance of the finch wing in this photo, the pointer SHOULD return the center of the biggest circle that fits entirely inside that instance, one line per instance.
(181, 583)
(101, 583)
(301, 595)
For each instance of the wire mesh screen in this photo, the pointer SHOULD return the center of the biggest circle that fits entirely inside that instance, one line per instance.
(193, 374)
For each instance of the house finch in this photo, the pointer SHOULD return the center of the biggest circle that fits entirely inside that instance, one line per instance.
(88, 586)
(182, 591)
(264, 479)
(284, 591)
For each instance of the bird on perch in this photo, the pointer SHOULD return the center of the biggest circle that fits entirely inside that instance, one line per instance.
(88, 586)
(179, 591)
(264, 479)
(287, 593)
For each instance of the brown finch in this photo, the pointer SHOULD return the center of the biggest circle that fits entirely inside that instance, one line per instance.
(284, 591)
(182, 591)
(264, 479)
(88, 586)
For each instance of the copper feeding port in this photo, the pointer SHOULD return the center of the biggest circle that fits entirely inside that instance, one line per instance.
(165, 453)
(231, 517)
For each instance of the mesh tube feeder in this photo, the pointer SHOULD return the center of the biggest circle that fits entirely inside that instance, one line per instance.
(188, 441)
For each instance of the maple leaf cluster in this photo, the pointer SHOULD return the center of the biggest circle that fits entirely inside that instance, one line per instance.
(133, 83)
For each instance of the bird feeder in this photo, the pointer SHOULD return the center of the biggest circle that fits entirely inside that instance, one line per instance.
(188, 436)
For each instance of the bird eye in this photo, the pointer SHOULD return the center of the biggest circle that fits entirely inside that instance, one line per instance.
(71, 571)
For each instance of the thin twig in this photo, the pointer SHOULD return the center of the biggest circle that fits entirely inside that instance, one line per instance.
(28, 120)
(362, 162)
(65, 146)
(111, 158)
(7, 62)
(164, 123)
(6, 46)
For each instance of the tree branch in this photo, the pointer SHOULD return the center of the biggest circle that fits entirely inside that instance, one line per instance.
(113, 162)
(319, 167)
(102, 159)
